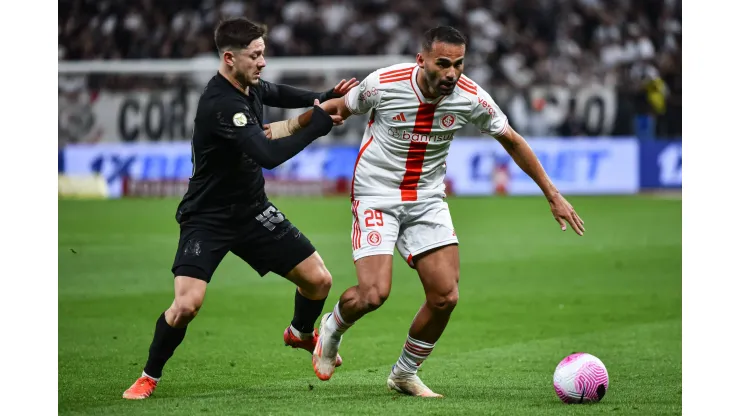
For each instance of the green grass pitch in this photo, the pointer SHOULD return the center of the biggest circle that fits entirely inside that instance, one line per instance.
(529, 295)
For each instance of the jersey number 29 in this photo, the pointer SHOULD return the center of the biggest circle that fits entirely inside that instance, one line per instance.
(373, 218)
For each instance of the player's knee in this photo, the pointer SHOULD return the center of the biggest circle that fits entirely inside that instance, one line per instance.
(322, 282)
(185, 309)
(317, 284)
(374, 298)
(443, 302)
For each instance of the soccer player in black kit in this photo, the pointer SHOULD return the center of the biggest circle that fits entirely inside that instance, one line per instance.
(226, 209)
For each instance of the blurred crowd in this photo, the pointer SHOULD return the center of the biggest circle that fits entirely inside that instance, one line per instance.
(633, 45)
(520, 42)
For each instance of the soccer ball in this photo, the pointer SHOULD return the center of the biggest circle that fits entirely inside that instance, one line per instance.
(580, 378)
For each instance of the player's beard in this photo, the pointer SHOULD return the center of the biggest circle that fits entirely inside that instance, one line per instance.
(242, 79)
(252, 79)
(448, 89)
(437, 83)
(247, 78)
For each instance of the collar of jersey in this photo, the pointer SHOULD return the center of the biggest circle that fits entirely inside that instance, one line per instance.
(226, 81)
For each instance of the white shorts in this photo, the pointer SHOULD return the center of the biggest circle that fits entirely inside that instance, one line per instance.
(412, 227)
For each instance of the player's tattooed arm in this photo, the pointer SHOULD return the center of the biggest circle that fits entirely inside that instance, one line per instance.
(526, 159)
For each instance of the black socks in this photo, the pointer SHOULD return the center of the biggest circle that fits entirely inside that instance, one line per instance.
(166, 339)
(306, 313)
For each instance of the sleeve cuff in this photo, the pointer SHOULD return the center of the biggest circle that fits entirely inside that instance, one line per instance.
(504, 129)
(349, 107)
(328, 95)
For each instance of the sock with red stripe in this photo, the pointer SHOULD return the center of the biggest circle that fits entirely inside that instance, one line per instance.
(413, 355)
(335, 324)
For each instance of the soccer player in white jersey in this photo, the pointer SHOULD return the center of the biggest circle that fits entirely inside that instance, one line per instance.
(398, 194)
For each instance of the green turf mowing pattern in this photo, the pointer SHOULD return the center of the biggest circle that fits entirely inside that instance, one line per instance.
(530, 294)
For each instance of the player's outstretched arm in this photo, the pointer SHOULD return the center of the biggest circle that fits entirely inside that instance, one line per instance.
(284, 128)
(272, 153)
(525, 158)
(361, 99)
(286, 96)
(336, 108)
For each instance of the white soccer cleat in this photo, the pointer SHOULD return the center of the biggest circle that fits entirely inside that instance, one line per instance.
(325, 353)
(410, 384)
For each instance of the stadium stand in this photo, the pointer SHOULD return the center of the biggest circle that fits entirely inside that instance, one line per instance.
(632, 46)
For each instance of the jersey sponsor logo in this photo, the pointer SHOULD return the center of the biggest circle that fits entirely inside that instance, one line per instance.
(417, 137)
(240, 119)
(447, 120)
(374, 238)
(487, 107)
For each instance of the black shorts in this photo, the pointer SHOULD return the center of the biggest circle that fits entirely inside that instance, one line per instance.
(267, 241)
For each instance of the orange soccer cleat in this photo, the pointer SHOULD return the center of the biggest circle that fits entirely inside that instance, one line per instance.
(307, 344)
(141, 389)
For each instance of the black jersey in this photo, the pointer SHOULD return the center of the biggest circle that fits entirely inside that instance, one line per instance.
(229, 146)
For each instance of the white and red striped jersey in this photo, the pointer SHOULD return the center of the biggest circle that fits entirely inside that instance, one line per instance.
(407, 139)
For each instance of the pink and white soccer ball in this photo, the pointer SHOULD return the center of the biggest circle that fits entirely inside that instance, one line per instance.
(581, 378)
